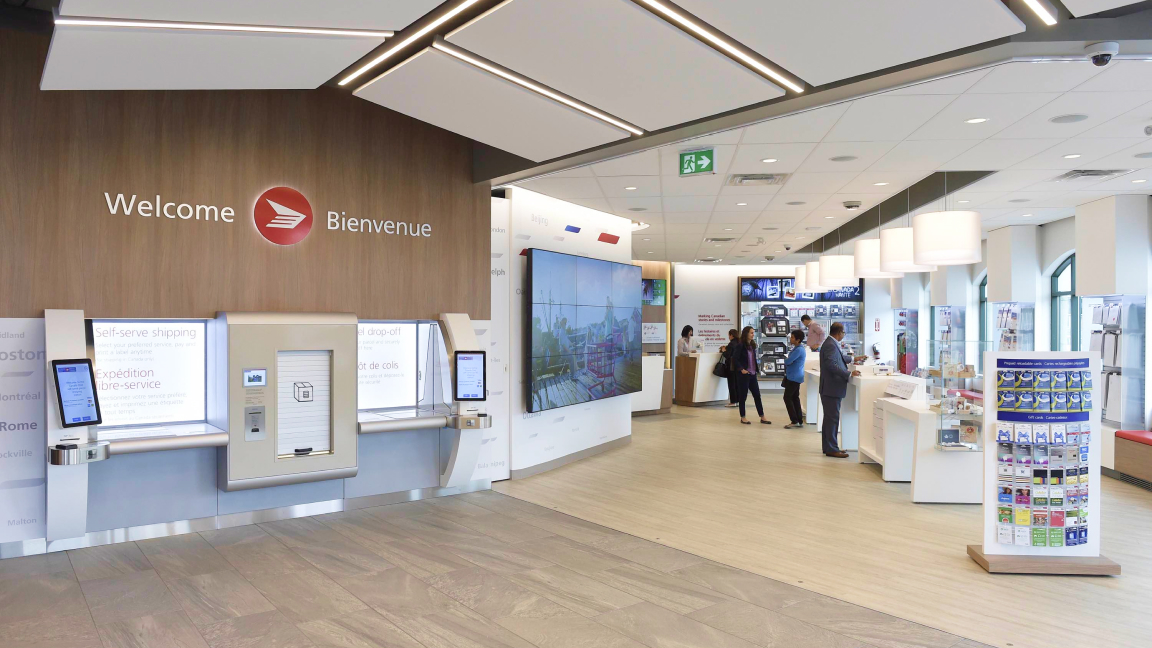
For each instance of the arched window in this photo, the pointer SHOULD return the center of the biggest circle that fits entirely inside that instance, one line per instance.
(984, 328)
(1065, 307)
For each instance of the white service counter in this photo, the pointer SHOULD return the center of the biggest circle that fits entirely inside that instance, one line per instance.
(905, 446)
(695, 383)
(651, 397)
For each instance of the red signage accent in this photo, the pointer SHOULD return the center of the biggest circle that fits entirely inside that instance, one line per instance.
(524, 252)
(283, 216)
(609, 238)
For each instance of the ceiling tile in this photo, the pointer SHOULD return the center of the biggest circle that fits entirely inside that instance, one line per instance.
(751, 190)
(565, 188)
(678, 233)
(1089, 150)
(991, 155)
(817, 183)
(432, 86)
(727, 229)
(885, 117)
(1035, 76)
(925, 155)
(808, 126)
(1000, 111)
(701, 185)
(866, 154)
(1120, 76)
(1124, 182)
(616, 56)
(1088, 7)
(626, 205)
(1012, 200)
(854, 37)
(836, 202)
(673, 204)
(1099, 108)
(750, 157)
(1129, 124)
(644, 163)
(696, 218)
(755, 204)
(735, 217)
(1127, 159)
(807, 202)
(1010, 180)
(896, 181)
(642, 186)
(950, 85)
(599, 204)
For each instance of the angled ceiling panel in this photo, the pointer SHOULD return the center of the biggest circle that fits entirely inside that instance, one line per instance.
(1087, 7)
(443, 91)
(616, 56)
(105, 58)
(359, 14)
(822, 41)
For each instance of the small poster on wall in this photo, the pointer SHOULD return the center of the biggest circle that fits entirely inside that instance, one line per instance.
(654, 333)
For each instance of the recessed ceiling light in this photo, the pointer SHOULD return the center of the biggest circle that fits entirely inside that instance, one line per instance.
(797, 202)
(1144, 156)
(717, 245)
(1068, 119)
(777, 252)
(1043, 10)
(879, 184)
(637, 209)
(963, 201)
(1026, 216)
(1138, 181)
(1018, 200)
(976, 120)
(529, 84)
(829, 217)
(843, 158)
(769, 160)
(651, 253)
(811, 229)
(741, 204)
(719, 43)
(424, 31)
(769, 229)
(223, 27)
(727, 229)
(1071, 156)
(629, 188)
(647, 239)
(799, 237)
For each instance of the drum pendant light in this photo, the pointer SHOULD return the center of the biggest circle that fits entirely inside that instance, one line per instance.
(946, 238)
(896, 254)
(838, 270)
(866, 257)
(812, 284)
(801, 275)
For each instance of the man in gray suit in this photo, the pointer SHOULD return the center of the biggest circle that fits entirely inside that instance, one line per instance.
(834, 375)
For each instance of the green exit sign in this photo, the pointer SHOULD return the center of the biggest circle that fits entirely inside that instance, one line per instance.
(696, 162)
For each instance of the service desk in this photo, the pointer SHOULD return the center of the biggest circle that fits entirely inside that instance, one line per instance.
(813, 412)
(695, 384)
(906, 448)
(856, 415)
(655, 397)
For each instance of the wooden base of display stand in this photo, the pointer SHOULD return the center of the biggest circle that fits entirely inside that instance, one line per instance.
(1053, 565)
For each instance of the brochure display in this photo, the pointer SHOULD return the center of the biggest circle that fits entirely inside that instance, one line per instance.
(1042, 473)
(1013, 327)
(907, 324)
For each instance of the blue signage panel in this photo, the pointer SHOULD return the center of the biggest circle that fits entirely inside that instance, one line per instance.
(784, 290)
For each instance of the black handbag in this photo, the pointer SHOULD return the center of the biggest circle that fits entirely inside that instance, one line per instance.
(721, 369)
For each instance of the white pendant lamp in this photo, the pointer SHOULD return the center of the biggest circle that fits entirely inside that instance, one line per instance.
(866, 261)
(838, 270)
(801, 275)
(946, 238)
(812, 278)
(896, 248)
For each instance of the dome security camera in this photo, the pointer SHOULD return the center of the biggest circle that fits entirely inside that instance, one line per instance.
(851, 205)
(1101, 53)
(787, 248)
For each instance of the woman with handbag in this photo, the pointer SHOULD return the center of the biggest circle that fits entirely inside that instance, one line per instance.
(726, 352)
(748, 369)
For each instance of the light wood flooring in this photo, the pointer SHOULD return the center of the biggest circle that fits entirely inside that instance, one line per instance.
(764, 499)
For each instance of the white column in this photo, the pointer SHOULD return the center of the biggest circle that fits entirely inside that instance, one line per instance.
(878, 318)
(1014, 264)
(1112, 246)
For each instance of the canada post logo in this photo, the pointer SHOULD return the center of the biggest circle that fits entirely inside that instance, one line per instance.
(283, 216)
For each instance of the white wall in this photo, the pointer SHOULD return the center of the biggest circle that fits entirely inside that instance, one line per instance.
(707, 298)
(537, 221)
(492, 462)
(879, 321)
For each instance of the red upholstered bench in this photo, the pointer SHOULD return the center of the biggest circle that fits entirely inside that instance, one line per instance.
(1134, 453)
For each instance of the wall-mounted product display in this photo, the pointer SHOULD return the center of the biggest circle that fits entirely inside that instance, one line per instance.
(773, 307)
(1115, 334)
(907, 325)
(1042, 473)
(584, 337)
(1013, 326)
(653, 292)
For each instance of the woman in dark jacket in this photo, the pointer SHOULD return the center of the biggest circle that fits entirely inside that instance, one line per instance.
(726, 352)
(744, 359)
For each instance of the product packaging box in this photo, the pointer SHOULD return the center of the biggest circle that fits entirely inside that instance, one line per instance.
(1040, 432)
(1005, 379)
(1086, 401)
(1074, 381)
(1059, 401)
(1056, 496)
(1003, 432)
(1023, 516)
(1074, 401)
(1059, 381)
(1004, 452)
(1004, 493)
(1039, 517)
(1004, 514)
(1070, 537)
(1056, 518)
(1086, 380)
(1055, 537)
(1040, 456)
(1024, 380)
(1023, 433)
(1006, 401)
(1039, 476)
(1039, 495)
(1025, 402)
(1043, 401)
(1059, 432)
(1043, 381)
(1040, 537)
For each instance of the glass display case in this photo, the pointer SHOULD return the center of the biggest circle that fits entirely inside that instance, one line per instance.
(955, 394)
(907, 324)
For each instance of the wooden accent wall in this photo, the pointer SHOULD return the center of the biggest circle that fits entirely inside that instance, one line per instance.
(659, 270)
(60, 248)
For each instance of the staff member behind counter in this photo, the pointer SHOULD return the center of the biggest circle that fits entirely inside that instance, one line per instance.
(685, 345)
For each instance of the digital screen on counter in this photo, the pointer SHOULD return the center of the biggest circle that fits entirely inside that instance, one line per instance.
(76, 393)
(470, 373)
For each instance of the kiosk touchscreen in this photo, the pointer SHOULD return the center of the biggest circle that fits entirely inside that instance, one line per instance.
(76, 393)
(470, 372)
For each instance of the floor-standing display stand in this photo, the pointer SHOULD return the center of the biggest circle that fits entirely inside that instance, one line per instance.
(1042, 473)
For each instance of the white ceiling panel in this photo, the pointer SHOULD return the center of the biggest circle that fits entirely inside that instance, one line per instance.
(991, 155)
(1087, 7)
(955, 84)
(1036, 76)
(681, 233)
(1130, 124)
(701, 185)
(1127, 159)
(630, 186)
(896, 181)
(599, 204)
(921, 155)
(808, 126)
(727, 229)
(817, 183)
(565, 188)
(1120, 76)
(644, 163)
(854, 37)
(884, 117)
(674, 204)
(1139, 180)
(753, 190)
(1010, 180)
(616, 56)
(1000, 111)
(105, 58)
(682, 218)
(1098, 107)
(735, 217)
(626, 205)
(866, 154)
(750, 157)
(358, 14)
(1089, 149)
(835, 203)
(804, 202)
(435, 87)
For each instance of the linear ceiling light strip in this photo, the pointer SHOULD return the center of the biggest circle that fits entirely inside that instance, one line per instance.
(721, 44)
(421, 33)
(220, 27)
(525, 82)
(1044, 10)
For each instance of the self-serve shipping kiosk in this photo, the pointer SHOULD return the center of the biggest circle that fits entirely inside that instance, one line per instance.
(283, 385)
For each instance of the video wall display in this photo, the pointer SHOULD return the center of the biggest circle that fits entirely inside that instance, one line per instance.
(653, 292)
(784, 289)
(584, 330)
(150, 372)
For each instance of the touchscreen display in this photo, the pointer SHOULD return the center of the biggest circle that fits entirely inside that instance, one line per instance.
(470, 376)
(76, 392)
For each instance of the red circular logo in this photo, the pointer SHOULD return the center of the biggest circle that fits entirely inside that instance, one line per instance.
(283, 216)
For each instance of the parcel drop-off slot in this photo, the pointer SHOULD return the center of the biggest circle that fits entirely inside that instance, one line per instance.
(303, 403)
